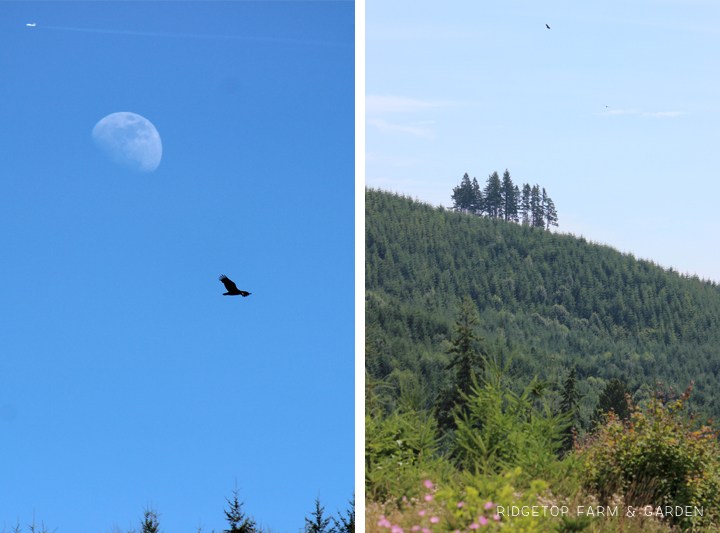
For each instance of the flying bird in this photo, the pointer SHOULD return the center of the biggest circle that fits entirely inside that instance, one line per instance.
(548, 27)
(232, 289)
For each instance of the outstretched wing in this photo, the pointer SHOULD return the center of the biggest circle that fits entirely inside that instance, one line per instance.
(232, 289)
(229, 284)
(548, 27)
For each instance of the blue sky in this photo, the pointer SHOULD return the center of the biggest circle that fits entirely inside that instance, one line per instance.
(479, 87)
(127, 378)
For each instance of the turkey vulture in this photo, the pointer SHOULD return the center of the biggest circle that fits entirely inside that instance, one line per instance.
(232, 289)
(548, 27)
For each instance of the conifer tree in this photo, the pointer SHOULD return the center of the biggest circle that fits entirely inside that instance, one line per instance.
(536, 208)
(318, 523)
(612, 398)
(239, 523)
(525, 205)
(477, 198)
(466, 361)
(509, 198)
(150, 521)
(570, 406)
(346, 524)
(551, 214)
(493, 196)
(463, 195)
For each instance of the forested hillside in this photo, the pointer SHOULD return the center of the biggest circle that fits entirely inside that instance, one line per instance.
(552, 301)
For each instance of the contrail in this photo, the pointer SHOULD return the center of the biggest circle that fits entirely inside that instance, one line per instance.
(197, 36)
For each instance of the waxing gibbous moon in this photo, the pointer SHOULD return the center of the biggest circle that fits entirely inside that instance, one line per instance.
(129, 140)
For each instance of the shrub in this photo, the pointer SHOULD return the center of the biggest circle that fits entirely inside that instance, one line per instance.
(399, 452)
(491, 502)
(502, 430)
(656, 458)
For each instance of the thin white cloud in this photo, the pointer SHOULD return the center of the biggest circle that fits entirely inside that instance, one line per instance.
(382, 104)
(619, 112)
(386, 127)
(664, 114)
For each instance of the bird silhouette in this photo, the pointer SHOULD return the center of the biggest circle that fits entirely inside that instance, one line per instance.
(548, 27)
(232, 289)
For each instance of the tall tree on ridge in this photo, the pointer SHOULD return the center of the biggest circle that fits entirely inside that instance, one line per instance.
(551, 217)
(536, 208)
(478, 200)
(510, 200)
(462, 196)
(525, 203)
(493, 196)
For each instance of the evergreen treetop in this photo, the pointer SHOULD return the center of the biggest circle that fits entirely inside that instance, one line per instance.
(239, 523)
(503, 199)
(318, 523)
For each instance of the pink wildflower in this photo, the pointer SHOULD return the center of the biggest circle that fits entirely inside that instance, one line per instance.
(384, 522)
(473, 525)
(489, 505)
(428, 497)
(397, 529)
(428, 484)
(404, 498)
(415, 528)
(460, 504)
(434, 520)
(422, 513)
(483, 521)
(496, 517)
(426, 530)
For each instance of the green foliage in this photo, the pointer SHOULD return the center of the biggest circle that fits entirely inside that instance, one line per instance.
(150, 522)
(238, 522)
(570, 406)
(488, 500)
(346, 524)
(502, 429)
(318, 523)
(466, 362)
(609, 314)
(399, 448)
(613, 398)
(656, 458)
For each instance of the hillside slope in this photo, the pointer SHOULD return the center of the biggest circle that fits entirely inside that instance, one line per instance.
(553, 300)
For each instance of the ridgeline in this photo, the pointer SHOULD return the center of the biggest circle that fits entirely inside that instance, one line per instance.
(552, 301)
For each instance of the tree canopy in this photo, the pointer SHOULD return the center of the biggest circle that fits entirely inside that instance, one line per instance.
(503, 199)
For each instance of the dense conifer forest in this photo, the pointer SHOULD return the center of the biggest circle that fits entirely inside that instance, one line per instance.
(521, 380)
(547, 302)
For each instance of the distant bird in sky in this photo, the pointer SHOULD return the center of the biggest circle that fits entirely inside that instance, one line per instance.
(548, 27)
(33, 24)
(606, 105)
(232, 289)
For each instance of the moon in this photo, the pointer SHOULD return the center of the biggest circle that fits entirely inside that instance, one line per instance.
(129, 140)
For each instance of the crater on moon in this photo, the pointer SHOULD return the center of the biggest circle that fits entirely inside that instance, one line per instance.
(129, 140)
